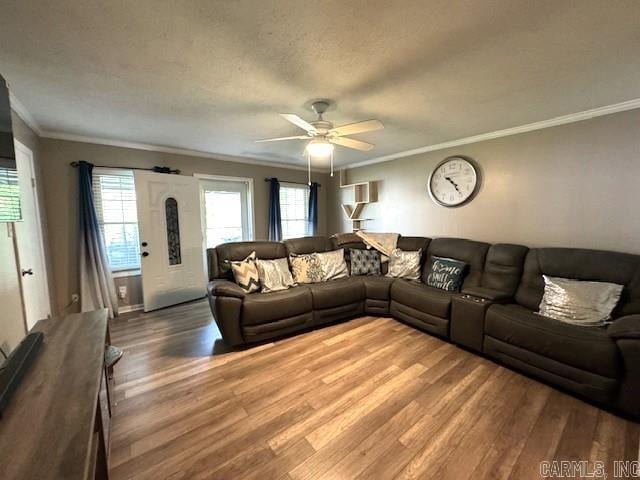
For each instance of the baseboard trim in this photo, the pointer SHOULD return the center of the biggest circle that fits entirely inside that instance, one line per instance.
(130, 308)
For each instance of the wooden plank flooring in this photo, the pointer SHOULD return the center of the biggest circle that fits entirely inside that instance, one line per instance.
(366, 399)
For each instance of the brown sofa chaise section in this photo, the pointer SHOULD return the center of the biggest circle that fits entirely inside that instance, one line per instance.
(602, 364)
(493, 314)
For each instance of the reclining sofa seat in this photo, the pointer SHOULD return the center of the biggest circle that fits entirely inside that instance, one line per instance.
(247, 318)
(428, 308)
(602, 364)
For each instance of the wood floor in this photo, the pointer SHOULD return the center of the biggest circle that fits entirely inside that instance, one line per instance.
(367, 399)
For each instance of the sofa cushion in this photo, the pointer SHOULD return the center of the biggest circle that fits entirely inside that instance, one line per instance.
(365, 262)
(468, 251)
(260, 308)
(503, 267)
(306, 268)
(235, 251)
(578, 302)
(333, 264)
(581, 264)
(445, 273)
(405, 264)
(589, 349)
(421, 297)
(308, 245)
(337, 292)
(274, 275)
(377, 288)
(245, 273)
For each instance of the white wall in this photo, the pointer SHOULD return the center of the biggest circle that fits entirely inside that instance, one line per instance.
(575, 185)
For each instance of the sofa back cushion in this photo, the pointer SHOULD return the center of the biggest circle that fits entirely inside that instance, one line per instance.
(235, 251)
(503, 267)
(470, 252)
(580, 264)
(305, 245)
(212, 263)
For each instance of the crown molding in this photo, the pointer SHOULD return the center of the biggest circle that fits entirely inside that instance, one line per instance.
(175, 151)
(529, 127)
(18, 107)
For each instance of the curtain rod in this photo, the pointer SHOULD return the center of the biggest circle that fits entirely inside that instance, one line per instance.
(268, 179)
(152, 169)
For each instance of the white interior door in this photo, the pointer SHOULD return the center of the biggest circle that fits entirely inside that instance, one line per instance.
(30, 242)
(173, 260)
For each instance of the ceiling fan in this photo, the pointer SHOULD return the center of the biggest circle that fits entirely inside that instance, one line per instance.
(322, 135)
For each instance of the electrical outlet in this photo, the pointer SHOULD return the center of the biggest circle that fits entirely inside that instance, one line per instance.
(75, 298)
(122, 290)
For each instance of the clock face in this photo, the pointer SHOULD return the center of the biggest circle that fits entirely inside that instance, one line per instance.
(453, 182)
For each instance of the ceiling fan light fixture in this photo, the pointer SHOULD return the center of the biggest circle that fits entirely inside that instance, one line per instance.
(319, 148)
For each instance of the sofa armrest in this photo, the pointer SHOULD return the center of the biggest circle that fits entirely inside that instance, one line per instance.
(625, 327)
(225, 288)
(496, 296)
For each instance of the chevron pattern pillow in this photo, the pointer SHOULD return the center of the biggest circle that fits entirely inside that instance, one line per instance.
(245, 273)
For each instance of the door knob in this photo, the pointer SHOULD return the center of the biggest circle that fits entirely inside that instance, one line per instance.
(27, 272)
(145, 254)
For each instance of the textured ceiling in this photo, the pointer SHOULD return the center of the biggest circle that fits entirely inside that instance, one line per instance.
(212, 75)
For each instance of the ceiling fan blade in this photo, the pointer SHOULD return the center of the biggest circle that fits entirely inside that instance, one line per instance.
(297, 121)
(297, 137)
(358, 127)
(351, 143)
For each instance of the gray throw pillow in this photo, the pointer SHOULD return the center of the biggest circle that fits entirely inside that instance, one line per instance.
(274, 275)
(579, 302)
(365, 262)
(404, 264)
(445, 274)
(245, 273)
(333, 264)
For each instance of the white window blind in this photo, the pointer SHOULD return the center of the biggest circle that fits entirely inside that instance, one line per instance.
(115, 201)
(294, 210)
(9, 195)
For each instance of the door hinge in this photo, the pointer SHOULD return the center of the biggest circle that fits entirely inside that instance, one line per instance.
(33, 182)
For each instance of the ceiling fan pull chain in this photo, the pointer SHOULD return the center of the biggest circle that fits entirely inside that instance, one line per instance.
(332, 163)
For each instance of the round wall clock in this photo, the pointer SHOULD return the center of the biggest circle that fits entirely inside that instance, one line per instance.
(453, 182)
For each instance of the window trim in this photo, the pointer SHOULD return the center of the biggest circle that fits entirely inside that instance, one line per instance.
(123, 271)
(251, 218)
(306, 215)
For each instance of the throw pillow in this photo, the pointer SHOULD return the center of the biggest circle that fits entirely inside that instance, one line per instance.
(364, 262)
(306, 268)
(445, 274)
(333, 264)
(274, 275)
(579, 302)
(404, 264)
(245, 273)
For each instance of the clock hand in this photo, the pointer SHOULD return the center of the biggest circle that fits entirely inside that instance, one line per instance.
(454, 184)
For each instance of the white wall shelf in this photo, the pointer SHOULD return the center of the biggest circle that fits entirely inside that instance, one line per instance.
(354, 197)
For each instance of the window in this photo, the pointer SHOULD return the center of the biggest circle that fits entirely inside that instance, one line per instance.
(173, 230)
(227, 209)
(294, 210)
(115, 201)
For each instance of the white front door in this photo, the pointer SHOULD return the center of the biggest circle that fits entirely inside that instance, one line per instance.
(173, 261)
(30, 243)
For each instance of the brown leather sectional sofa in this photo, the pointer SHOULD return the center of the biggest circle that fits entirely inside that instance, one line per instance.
(493, 315)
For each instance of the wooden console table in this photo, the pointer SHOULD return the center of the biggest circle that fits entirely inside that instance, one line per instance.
(57, 423)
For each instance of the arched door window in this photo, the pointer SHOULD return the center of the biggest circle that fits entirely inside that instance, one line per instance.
(173, 231)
